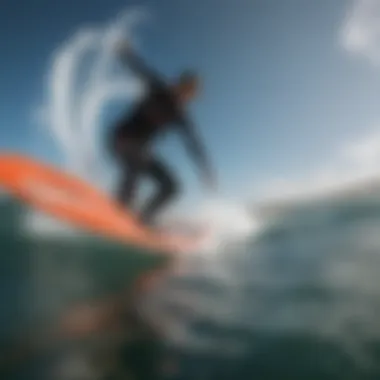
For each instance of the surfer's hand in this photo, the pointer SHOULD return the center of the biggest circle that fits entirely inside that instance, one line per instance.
(123, 47)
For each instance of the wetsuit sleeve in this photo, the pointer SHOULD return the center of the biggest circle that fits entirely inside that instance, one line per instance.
(195, 146)
(139, 67)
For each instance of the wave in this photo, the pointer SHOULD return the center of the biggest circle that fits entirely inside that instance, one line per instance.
(312, 271)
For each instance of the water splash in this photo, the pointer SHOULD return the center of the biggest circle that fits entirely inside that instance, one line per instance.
(75, 98)
(227, 222)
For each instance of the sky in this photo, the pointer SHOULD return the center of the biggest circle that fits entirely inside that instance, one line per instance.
(289, 98)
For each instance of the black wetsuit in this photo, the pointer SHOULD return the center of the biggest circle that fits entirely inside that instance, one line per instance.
(135, 133)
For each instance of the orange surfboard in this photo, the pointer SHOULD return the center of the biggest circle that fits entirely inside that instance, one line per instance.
(72, 200)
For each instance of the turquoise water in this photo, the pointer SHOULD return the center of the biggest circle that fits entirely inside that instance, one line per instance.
(299, 299)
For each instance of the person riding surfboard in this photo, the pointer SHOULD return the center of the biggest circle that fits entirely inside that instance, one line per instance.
(161, 110)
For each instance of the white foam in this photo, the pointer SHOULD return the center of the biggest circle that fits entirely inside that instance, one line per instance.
(227, 221)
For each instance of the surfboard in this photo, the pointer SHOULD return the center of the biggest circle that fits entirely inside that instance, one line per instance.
(71, 199)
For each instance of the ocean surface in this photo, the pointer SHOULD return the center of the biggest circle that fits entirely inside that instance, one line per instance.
(297, 298)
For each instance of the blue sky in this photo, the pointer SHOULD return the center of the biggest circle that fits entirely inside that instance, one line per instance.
(281, 91)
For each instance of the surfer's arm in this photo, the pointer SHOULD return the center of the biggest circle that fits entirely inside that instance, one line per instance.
(196, 149)
(134, 62)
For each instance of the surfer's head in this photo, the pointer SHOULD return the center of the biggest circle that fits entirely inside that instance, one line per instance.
(187, 85)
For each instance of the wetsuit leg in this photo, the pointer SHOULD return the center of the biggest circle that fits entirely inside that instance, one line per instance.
(167, 189)
(133, 166)
(126, 190)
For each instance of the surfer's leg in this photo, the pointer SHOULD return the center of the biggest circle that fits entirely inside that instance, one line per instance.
(168, 188)
(127, 188)
(132, 166)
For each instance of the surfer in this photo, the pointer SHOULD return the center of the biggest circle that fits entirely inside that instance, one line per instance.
(162, 109)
